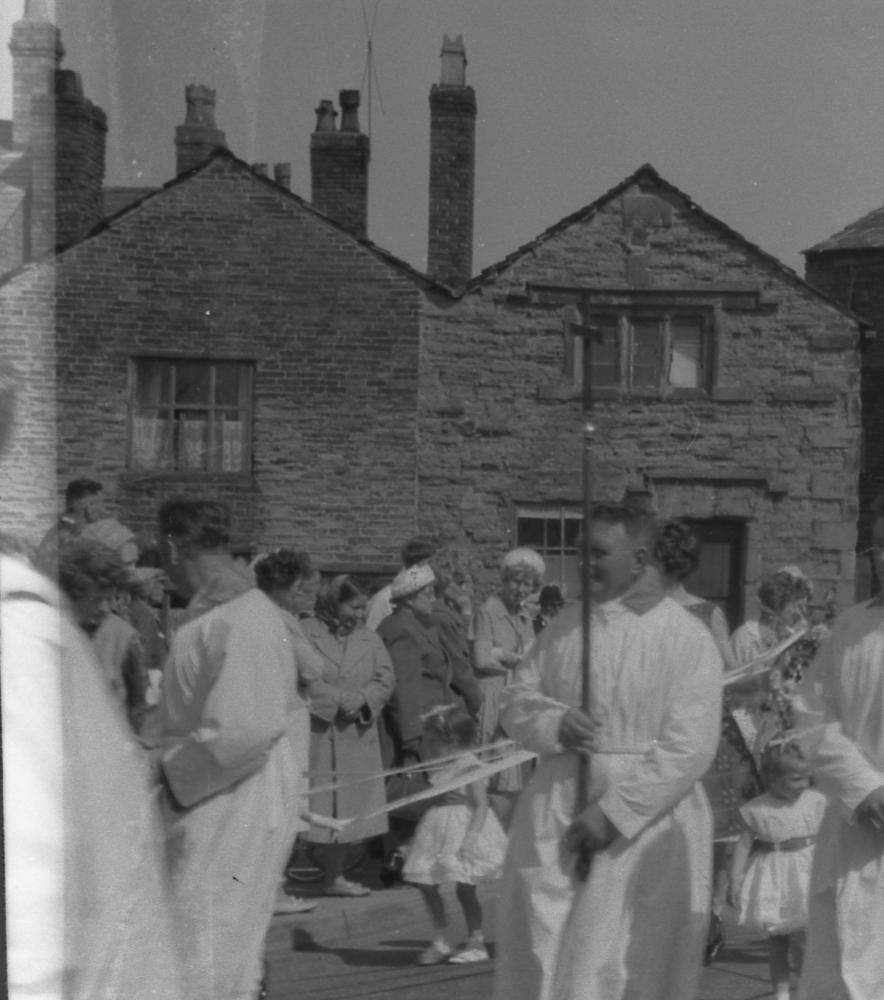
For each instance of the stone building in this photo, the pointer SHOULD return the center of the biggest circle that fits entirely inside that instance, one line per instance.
(222, 336)
(725, 387)
(849, 267)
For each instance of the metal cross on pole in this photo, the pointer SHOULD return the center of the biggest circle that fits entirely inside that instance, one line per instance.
(589, 335)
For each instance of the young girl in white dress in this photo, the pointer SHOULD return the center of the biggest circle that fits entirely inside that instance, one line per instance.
(459, 840)
(770, 871)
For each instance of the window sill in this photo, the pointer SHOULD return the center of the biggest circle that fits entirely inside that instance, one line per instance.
(138, 477)
(667, 396)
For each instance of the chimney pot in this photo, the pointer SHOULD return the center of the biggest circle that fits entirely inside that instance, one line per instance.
(339, 165)
(260, 169)
(200, 105)
(349, 110)
(68, 83)
(325, 116)
(282, 174)
(454, 63)
(199, 137)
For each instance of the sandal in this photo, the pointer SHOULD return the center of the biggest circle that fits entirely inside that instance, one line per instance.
(435, 954)
(343, 887)
(466, 955)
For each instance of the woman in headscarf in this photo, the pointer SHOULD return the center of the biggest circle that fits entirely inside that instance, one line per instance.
(345, 703)
(503, 632)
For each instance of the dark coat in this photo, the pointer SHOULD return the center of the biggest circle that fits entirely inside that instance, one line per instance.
(456, 645)
(422, 676)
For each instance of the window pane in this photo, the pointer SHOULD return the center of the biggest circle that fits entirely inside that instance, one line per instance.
(554, 535)
(229, 438)
(192, 383)
(193, 441)
(152, 383)
(686, 367)
(645, 361)
(229, 384)
(603, 355)
(529, 531)
(572, 533)
(151, 441)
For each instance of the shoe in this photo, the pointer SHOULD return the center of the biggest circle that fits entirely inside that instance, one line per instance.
(437, 953)
(293, 904)
(391, 870)
(714, 940)
(476, 953)
(343, 887)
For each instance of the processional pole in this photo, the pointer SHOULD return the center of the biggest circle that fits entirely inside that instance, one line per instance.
(588, 333)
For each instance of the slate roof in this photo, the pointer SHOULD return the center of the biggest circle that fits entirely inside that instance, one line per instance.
(134, 197)
(115, 199)
(866, 233)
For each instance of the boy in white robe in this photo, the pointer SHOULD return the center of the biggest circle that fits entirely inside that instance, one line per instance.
(840, 713)
(229, 720)
(636, 926)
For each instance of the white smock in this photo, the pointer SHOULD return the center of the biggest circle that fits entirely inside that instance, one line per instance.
(232, 737)
(636, 927)
(840, 707)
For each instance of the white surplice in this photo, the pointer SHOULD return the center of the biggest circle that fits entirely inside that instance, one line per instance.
(840, 711)
(88, 913)
(636, 927)
(232, 726)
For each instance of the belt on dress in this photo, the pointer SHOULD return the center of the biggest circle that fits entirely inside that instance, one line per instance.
(792, 844)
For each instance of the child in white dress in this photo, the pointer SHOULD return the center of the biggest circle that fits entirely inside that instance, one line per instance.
(770, 871)
(458, 840)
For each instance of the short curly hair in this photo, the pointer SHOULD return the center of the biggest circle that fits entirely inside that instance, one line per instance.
(779, 589)
(450, 565)
(86, 566)
(677, 549)
(195, 524)
(281, 569)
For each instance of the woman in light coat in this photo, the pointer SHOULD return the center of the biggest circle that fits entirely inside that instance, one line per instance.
(345, 702)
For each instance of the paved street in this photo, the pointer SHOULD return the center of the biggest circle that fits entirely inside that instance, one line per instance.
(364, 948)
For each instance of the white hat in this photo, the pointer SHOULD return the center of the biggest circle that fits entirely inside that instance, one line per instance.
(411, 580)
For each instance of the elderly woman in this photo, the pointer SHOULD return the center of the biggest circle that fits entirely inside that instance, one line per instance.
(503, 632)
(345, 702)
(423, 679)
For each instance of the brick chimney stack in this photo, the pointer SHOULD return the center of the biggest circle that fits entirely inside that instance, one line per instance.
(36, 54)
(339, 164)
(62, 132)
(199, 137)
(452, 169)
(80, 142)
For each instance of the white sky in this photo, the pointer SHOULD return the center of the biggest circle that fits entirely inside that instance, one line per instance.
(769, 113)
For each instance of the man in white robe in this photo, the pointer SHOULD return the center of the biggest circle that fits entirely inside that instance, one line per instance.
(840, 714)
(229, 760)
(635, 927)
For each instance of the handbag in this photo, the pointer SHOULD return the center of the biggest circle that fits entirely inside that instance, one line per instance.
(400, 786)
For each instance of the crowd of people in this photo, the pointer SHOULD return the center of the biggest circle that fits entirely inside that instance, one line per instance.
(173, 771)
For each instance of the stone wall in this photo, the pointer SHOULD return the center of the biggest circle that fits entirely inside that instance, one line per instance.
(775, 442)
(856, 280)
